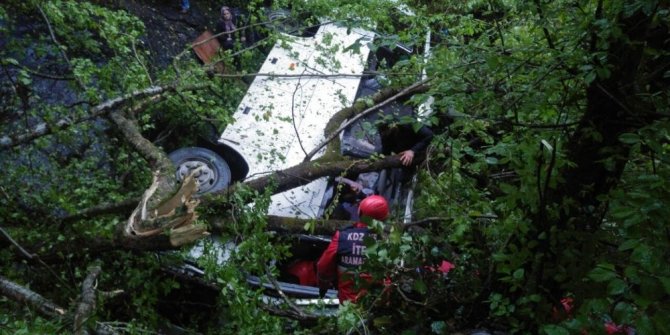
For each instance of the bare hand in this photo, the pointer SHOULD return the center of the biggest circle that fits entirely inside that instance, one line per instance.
(406, 157)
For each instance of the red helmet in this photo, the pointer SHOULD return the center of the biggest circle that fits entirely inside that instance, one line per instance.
(374, 206)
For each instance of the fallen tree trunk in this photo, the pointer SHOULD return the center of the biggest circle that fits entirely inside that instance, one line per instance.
(306, 172)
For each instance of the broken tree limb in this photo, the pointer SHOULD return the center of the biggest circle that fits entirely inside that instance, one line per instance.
(43, 129)
(281, 180)
(86, 306)
(174, 216)
(164, 183)
(307, 172)
(25, 296)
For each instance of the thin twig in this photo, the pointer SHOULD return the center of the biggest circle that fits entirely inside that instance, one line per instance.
(295, 128)
(59, 46)
(139, 60)
(408, 299)
(40, 74)
(286, 299)
(26, 254)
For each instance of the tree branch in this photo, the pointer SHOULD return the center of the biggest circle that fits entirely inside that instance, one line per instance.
(25, 296)
(307, 172)
(288, 301)
(23, 252)
(87, 304)
(43, 129)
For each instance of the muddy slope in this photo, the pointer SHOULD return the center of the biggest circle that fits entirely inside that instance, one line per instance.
(168, 31)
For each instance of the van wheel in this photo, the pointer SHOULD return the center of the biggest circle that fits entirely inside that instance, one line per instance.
(213, 171)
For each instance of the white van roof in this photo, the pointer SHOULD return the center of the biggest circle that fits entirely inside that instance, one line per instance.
(281, 117)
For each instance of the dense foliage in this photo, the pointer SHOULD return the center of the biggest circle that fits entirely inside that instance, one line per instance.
(548, 190)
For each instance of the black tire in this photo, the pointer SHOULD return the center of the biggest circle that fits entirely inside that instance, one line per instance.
(215, 173)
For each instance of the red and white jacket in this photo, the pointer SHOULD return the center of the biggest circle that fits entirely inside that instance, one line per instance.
(343, 257)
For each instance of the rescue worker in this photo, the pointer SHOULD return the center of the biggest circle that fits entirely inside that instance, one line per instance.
(346, 252)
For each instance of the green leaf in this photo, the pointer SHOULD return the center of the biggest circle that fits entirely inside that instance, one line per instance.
(665, 281)
(602, 273)
(643, 325)
(547, 145)
(10, 61)
(555, 330)
(616, 287)
(590, 77)
(518, 274)
(623, 312)
(623, 212)
(629, 244)
(491, 160)
(420, 286)
(629, 138)
(643, 255)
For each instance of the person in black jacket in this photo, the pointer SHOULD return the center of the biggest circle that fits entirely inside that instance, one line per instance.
(227, 25)
(402, 139)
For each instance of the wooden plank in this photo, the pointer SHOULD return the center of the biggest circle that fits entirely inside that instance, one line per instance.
(207, 50)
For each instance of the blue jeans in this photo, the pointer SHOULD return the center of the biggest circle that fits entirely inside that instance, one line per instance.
(185, 5)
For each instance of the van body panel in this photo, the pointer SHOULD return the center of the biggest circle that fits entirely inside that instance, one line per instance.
(302, 84)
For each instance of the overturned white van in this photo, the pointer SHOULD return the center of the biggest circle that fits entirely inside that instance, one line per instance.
(303, 82)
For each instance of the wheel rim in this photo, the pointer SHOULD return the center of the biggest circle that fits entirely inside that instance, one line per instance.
(205, 175)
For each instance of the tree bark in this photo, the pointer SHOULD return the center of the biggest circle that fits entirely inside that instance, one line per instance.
(306, 172)
(87, 304)
(25, 296)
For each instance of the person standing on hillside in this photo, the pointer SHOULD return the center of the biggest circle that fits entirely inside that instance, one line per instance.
(227, 26)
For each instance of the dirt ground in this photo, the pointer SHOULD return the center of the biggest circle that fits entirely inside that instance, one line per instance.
(168, 31)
